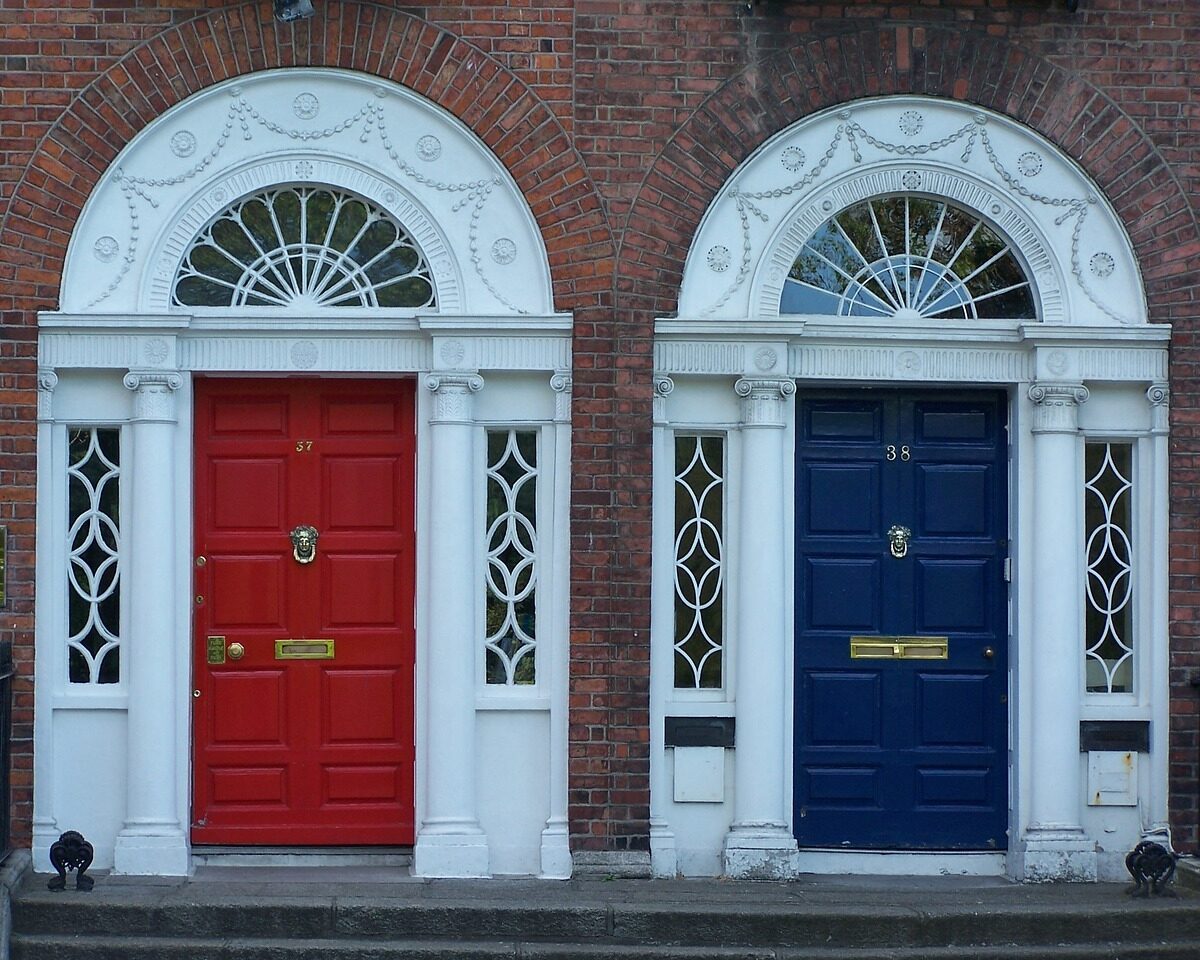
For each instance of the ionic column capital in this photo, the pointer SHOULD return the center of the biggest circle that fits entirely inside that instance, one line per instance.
(561, 383)
(153, 393)
(47, 380)
(1056, 407)
(452, 396)
(763, 400)
(664, 386)
(1159, 397)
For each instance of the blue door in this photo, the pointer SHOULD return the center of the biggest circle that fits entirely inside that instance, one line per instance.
(901, 620)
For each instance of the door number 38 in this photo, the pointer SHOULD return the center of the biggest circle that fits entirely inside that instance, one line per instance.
(898, 453)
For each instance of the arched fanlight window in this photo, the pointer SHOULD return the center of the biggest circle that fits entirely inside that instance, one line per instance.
(295, 246)
(911, 258)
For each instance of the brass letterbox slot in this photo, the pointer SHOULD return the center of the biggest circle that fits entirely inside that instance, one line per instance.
(899, 648)
(303, 649)
(216, 649)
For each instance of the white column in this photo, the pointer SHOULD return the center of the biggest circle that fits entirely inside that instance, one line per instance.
(556, 861)
(1156, 646)
(1056, 847)
(450, 842)
(759, 844)
(152, 840)
(49, 621)
(664, 860)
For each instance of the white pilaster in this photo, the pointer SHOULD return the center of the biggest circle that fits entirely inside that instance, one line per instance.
(49, 530)
(450, 842)
(152, 840)
(556, 835)
(664, 859)
(1055, 845)
(1156, 823)
(759, 844)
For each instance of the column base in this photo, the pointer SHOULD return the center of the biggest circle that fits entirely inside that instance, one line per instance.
(151, 851)
(556, 850)
(451, 850)
(759, 851)
(664, 859)
(45, 834)
(1059, 855)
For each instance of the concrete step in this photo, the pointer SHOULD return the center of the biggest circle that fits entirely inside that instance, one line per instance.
(833, 918)
(62, 947)
(746, 924)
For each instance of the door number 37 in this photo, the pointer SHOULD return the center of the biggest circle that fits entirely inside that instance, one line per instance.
(898, 453)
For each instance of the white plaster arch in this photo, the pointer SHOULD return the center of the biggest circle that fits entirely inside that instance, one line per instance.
(1076, 250)
(310, 125)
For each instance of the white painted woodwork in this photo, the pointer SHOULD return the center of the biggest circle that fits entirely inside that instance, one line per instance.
(1090, 330)
(494, 316)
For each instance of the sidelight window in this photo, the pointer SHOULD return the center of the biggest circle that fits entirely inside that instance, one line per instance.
(510, 601)
(699, 561)
(908, 257)
(93, 555)
(1108, 594)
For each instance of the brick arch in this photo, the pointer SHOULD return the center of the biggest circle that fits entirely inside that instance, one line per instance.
(768, 96)
(505, 113)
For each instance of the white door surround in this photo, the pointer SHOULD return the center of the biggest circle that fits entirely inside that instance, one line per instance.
(121, 353)
(1087, 366)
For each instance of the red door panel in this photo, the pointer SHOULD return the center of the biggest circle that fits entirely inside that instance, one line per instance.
(304, 751)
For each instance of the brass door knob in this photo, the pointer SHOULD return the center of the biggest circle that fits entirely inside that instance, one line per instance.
(988, 653)
(236, 651)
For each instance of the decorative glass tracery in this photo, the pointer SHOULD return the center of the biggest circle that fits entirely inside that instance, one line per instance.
(511, 598)
(296, 246)
(908, 257)
(1109, 592)
(94, 555)
(699, 572)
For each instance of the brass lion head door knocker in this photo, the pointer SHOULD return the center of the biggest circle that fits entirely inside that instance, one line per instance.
(899, 536)
(304, 543)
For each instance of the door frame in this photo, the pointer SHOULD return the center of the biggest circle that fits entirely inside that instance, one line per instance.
(1005, 629)
(406, 433)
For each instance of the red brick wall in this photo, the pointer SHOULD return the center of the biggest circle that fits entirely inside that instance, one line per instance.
(620, 119)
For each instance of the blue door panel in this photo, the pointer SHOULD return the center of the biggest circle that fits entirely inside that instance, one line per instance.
(952, 711)
(947, 422)
(954, 499)
(953, 595)
(843, 498)
(837, 787)
(844, 421)
(844, 592)
(901, 753)
(842, 709)
(954, 788)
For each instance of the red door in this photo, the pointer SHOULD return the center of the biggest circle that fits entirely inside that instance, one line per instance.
(303, 714)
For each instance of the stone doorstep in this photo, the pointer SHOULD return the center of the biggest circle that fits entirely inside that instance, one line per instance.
(816, 913)
(66, 947)
(1187, 874)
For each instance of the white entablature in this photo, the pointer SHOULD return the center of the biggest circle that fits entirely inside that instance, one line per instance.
(308, 127)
